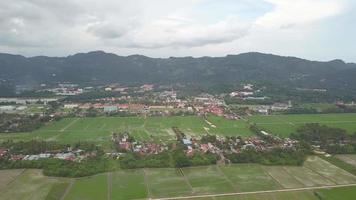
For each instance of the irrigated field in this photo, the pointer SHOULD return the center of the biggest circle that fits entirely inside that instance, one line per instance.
(284, 125)
(348, 158)
(344, 193)
(29, 185)
(273, 182)
(99, 129)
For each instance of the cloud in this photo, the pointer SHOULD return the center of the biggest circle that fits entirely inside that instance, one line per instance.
(290, 13)
(161, 27)
(171, 32)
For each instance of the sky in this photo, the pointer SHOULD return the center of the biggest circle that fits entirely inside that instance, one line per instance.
(312, 29)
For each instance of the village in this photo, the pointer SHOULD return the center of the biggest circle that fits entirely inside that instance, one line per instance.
(214, 144)
(70, 154)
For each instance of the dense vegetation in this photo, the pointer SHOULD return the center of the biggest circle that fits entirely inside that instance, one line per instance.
(276, 156)
(172, 158)
(62, 168)
(218, 74)
(20, 123)
(332, 140)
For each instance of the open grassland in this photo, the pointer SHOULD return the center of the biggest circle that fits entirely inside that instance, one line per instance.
(284, 125)
(99, 129)
(272, 182)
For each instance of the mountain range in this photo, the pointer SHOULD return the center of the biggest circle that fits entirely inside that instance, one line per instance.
(101, 67)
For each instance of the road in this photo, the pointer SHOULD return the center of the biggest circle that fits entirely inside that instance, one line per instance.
(257, 192)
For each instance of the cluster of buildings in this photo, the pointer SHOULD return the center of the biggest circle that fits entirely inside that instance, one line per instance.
(276, 107)
(71, 155)
(247, 90)
(66, 89)
(125, 143)
(230, 145)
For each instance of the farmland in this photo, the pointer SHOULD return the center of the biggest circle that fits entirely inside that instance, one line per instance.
(99, 129)
(284, 125)
(273, 182)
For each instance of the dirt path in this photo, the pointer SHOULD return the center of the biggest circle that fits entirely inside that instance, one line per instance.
(257, 192)
(68, 189)
(226, 178)
(68, 125)
(186, 180)
(109, 185)
(146, 183)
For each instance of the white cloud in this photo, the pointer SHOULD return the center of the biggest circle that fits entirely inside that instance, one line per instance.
(161, 27)
(290, 13)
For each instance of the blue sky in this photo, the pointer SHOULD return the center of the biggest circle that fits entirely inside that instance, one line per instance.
(311, 29)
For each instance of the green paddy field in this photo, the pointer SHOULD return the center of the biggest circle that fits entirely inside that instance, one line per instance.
(99, 129)
(238, 181)
(284, 125)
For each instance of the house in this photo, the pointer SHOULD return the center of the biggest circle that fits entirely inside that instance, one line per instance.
(109, 109)
(65, 156)
(248, 87)
(186, 141)
(147, 87)
(6, 109)
(108, 89)
(71, 106)
(3, 152)
(17, 157)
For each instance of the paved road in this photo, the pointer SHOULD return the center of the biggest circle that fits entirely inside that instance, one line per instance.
(257, 192)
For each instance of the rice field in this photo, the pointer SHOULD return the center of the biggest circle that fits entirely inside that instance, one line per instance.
(99, 129)
(284, 125)
(193, 181)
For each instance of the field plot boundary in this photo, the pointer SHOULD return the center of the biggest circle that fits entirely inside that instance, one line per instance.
(68, 189)
(256, 192)
(69, 125)
(304, 122)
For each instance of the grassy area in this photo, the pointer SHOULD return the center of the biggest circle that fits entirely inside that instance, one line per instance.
(284, 125)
